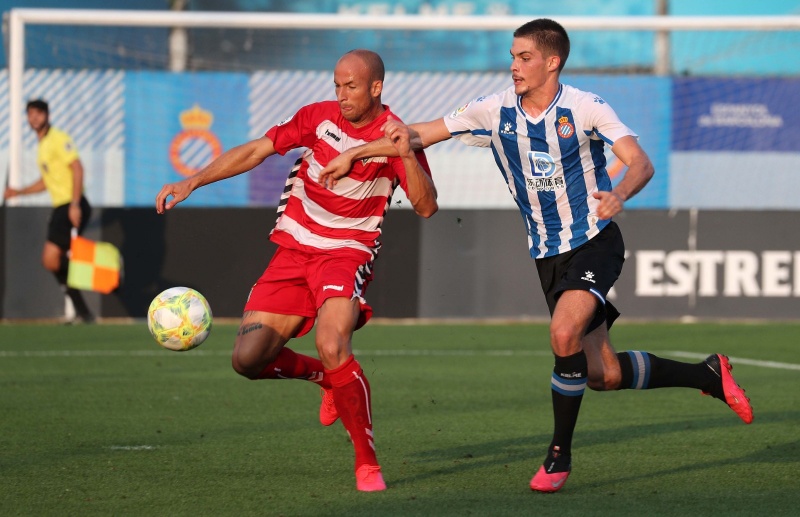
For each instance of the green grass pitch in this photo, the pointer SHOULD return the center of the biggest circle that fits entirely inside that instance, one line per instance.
(98, 420)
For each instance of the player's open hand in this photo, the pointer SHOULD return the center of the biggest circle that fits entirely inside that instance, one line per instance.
(337, 168)
(610, 204)
(398, 134)
(179, 191)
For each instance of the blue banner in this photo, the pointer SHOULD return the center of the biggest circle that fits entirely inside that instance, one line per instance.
(175, 125)
(728, 131)
(743, 114)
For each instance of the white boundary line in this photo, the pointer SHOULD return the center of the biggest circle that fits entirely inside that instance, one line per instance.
(740, 360)
(131, 447)
(11, 354)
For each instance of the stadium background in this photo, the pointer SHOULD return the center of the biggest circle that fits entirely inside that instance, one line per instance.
(721, 131)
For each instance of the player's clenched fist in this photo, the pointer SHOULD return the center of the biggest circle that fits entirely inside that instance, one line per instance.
(610, 204)
(398, 134)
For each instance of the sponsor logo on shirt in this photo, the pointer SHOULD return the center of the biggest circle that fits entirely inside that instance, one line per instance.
(284, 121)
(589, 277)
(335, 137)
(599, 100)
(543, 166)
(506, 129)
(545, 184)
(565, 129)
(334, 287)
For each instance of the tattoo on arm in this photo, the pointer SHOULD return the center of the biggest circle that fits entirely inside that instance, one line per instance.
(249, 328)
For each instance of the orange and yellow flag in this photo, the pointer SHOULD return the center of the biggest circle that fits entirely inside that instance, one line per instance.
(93, 266)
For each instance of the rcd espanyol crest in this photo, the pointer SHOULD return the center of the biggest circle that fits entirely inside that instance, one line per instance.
(195, 146)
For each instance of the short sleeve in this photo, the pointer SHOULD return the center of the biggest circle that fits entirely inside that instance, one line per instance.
(601, 121)
(296, 131)
(67, 149)
(472, 122)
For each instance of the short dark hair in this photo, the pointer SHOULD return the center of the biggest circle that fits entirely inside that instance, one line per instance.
(38, 104)
(549, 36)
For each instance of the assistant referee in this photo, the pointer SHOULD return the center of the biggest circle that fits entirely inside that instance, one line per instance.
(62, 177)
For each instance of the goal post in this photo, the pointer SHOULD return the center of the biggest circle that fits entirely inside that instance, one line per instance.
(661, 27)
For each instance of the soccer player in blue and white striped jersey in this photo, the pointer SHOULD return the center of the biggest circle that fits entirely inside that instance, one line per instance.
(547, 139)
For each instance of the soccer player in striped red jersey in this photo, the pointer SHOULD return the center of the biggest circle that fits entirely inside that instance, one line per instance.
(547, 139)
(327, 243)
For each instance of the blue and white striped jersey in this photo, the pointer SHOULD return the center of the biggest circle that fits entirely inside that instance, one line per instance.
(552, 164)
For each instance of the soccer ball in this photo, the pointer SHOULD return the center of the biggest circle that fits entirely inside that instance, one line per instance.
(179, 318)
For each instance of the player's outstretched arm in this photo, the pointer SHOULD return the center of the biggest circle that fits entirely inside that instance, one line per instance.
(230, 163)
(421, 136)
(640, 170)
(340, 165)
(421, 190)
(33, 188)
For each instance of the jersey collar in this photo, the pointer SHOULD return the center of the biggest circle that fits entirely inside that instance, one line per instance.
(549, 108)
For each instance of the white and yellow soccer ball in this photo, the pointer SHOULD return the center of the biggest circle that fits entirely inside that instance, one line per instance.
(179, 318)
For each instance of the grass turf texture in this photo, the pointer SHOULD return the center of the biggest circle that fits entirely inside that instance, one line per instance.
(97, 420)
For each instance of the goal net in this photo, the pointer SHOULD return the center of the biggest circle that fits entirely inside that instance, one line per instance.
(150, 97)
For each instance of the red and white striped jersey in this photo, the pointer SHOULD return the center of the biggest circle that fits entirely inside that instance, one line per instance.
(313, 218)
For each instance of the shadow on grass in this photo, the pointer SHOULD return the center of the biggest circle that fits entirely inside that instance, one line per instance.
(533, 448)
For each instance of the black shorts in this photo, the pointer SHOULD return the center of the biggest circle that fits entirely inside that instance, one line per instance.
(60, 227)
(593, 266)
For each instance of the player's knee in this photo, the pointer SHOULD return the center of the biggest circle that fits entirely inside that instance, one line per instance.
(607, 381)
(250, 362)
(333, 352)
(244, 369)
(565, 340)
(52, 264)
(602, 384)
(329, 357)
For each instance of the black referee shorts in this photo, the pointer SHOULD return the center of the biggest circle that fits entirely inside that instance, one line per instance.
(60, 227)
(593, 266)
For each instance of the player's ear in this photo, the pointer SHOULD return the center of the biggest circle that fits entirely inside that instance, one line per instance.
(377, 88)
(553, 62)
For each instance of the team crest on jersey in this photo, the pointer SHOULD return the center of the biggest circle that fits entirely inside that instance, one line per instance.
(460, 110)
(374, 159)
(565, 129)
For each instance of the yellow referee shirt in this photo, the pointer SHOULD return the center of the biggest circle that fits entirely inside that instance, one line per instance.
(56, 152)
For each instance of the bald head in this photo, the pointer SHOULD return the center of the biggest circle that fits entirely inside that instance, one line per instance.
(371, 60)
(358, 78)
